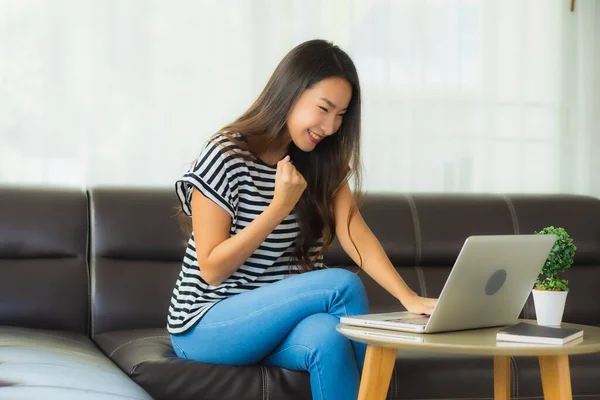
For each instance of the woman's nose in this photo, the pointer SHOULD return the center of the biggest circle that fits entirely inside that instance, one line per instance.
(329, 126)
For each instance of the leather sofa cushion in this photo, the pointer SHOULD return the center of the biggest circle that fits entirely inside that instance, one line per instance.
(444, 222)
(391, 220)
(137, 248)
(579, 215)
(147, 357)
(43, 255)
(42, 364)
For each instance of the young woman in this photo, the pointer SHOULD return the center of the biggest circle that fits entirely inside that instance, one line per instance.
(267, 196)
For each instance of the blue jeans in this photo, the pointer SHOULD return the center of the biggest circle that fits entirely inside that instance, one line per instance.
(291, 324)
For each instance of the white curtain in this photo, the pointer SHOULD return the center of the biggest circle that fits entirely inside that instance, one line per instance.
(458, 95)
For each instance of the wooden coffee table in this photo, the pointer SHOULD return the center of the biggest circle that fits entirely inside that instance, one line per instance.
(553, 360)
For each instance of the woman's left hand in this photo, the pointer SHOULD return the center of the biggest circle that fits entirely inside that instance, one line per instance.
(419, 305)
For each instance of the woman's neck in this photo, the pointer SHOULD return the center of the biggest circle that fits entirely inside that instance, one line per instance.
(275, 153)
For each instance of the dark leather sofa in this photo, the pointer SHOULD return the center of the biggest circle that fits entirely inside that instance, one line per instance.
(86, 277)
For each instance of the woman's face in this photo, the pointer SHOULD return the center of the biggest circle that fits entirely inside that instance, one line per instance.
(319, 112)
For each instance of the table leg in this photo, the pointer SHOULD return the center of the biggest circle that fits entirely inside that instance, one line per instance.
(377, 372)
(501, 378)
(556, 377)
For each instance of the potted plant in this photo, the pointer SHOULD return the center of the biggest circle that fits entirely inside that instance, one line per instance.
(550, 292)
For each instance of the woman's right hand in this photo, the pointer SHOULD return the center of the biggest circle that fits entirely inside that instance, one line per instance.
(289, 185)
(419, 305)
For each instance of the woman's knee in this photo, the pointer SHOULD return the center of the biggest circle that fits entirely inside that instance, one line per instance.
(348, 282)
(321, 335)
(341, 277)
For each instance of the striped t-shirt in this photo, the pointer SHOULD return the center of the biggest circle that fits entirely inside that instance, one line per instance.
(243, 188)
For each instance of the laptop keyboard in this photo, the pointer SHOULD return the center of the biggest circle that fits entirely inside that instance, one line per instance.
(412, 321)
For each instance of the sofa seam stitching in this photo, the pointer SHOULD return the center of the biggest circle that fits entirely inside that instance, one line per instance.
(513, 214)
(417, 230)
(91, 257)
(267, 381)
(262, 373)
(136, 340)
(516, 231)
(88, 259)
(416, 226)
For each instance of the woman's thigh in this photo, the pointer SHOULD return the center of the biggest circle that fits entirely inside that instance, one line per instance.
(245, 328)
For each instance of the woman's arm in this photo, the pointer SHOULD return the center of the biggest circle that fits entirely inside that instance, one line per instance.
(374, 260)
(219, 255)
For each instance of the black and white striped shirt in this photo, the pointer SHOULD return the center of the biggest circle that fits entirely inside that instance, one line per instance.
(244, 188)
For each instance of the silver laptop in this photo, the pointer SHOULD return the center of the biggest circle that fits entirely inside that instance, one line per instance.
(488, 286)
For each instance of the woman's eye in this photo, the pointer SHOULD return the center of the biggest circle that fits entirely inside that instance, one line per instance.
(341, 115)
(324, 109)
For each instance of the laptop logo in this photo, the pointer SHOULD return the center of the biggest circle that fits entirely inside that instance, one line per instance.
(495, 282)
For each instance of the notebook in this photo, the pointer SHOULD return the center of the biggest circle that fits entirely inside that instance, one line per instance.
(529, 333)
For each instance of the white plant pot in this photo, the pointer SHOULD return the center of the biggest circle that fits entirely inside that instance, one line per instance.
(549, 306)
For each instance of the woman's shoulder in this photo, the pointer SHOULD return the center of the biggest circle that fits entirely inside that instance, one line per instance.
(227, 142)
(225, 145)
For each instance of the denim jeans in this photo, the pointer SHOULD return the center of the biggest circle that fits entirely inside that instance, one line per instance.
(291, 324)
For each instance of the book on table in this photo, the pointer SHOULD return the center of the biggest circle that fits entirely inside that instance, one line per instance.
(530, 333)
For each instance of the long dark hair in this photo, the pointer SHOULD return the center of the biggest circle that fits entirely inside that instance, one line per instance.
(332, 163)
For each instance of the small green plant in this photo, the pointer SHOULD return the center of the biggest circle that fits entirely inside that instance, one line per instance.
(558, 261)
